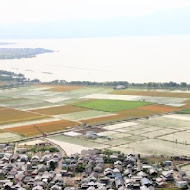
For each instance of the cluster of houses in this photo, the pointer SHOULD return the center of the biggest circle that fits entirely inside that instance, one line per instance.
(90, 170)
(20, 170)
(101, 170)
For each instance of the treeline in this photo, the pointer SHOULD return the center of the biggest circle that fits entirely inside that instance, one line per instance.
(149, 85)
(6, 76)
(18, 53)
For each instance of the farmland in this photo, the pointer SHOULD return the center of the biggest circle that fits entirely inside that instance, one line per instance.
(132, 122)
(65, 109)
(8, 115)
(31, 130)
(61, 88)
(112, 105)
(153, 93)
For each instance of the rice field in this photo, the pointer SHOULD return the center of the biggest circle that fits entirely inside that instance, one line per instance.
(65, 109)
(9, 137)
(78, 141)
(111, 105)
(180, 137)
(157, 147)
(175, 101)
(77, 116)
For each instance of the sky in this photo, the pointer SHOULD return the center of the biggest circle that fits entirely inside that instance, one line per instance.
(93, 18)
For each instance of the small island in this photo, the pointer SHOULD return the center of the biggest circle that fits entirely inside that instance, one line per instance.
(19, 53)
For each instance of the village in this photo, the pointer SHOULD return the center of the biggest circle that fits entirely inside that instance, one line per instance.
(42, 165)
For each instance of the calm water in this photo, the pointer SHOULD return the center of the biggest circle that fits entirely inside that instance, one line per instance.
(134, 59)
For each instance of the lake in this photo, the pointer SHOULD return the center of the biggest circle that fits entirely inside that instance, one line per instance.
(133, 59)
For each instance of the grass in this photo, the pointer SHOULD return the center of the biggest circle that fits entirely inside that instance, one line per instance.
(184, 111)
(48, 127)
(8, 116)
(112, 105)
(152, 93)
(60, 110)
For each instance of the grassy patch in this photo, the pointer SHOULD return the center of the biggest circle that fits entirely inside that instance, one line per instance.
(112, 105)
(184, 112)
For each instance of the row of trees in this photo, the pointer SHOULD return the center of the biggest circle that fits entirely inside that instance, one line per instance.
(149, 85)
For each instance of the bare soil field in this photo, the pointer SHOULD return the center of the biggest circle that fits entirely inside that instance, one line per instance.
(60, 88)
(60, 110)
(8, 115)
(159, 108)
(31, 130)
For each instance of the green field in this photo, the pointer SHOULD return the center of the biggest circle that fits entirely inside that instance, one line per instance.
(184, 112)
(112, 105)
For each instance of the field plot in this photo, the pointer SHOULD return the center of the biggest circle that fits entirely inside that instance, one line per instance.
(125, 140)
(78, 141)
(60, 110)
(79, 93)
(155, 147)
(39, 105)
(181, 137)
(120, 125)
(77, 116)
(60, 88)
(9, 137)
(153, 93)
(122, 115)
(68, 147)
(161, 132)
(19, 101)
(186, 169)
(159, 108)
(185, 111)
(167, 123)
(32, 122)
(11, 116)
(31, 130)
(158, 100)
(183, 117)
(112, 105)
(143, 129)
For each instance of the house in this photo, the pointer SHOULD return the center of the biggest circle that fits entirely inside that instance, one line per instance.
(146, 182)
(91, 135)
(38, 188)
(167, 175)
(182, 184)
(120, 87)
(56, 187)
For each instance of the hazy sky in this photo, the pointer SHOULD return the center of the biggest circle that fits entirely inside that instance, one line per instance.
(93, 18)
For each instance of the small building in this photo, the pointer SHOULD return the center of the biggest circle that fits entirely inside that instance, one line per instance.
(182, 184)
(91, 135)
(120, 87)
